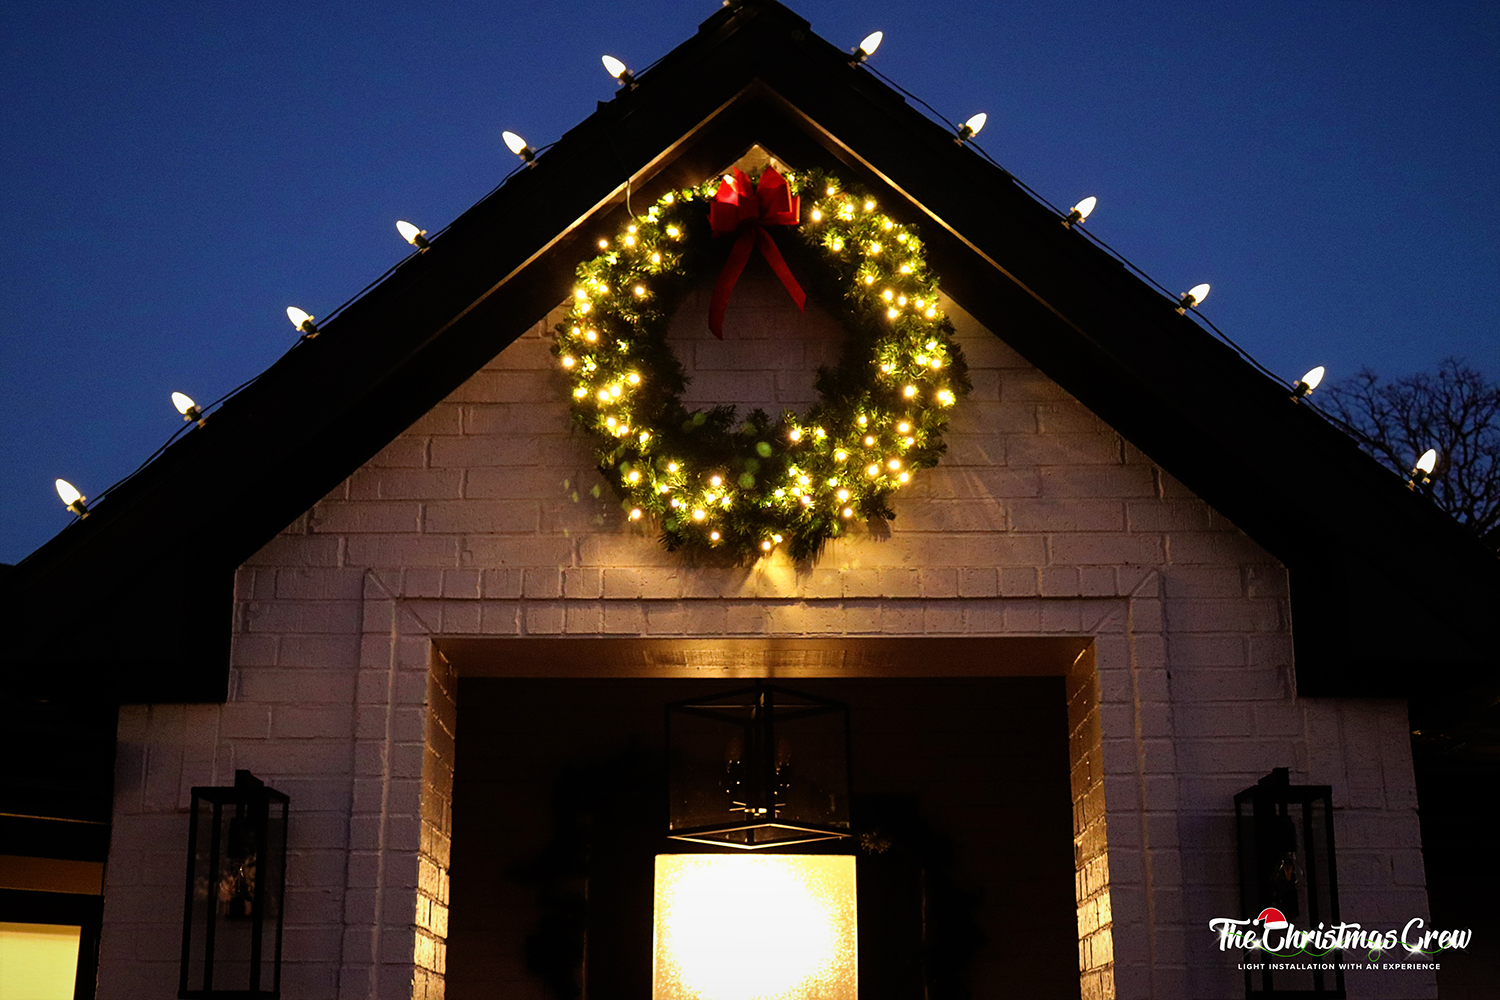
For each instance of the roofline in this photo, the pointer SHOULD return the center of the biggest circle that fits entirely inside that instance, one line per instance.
(1118, 346)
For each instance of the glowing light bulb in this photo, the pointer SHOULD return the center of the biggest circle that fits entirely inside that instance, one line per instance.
(411, 234)
(766, 545)
(517, 145)
(1080, 211)
(1193, 297)
(867, 48)
(635, 514)
(1307, 383)
(186, 406)
(848, 512)
(909, 391)
(617, 69)
(972, 127)
(715, 480)
(302, 321)
(873, 470)
(69, 495)
(713, 536)
(699, 515)
(1420, 476)
(840, 455)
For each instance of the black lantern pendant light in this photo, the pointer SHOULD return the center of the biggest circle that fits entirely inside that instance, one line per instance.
(759, 767)
(236, 877)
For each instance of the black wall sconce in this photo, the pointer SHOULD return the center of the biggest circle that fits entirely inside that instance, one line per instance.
(236, 879)
(759, 767)
(1287, 865)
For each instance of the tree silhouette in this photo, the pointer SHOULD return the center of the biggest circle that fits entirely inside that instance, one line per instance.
(1456, 411)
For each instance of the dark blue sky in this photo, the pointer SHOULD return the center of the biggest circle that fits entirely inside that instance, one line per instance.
(175, 175)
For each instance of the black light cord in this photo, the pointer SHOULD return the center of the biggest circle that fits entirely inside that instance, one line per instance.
(1116, 254)
(1088, 234)
(206, 408)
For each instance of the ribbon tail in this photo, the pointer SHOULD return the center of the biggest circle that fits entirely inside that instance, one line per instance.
(778, 264)
(739, 256)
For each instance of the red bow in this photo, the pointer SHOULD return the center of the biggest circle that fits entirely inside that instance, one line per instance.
(739, 208)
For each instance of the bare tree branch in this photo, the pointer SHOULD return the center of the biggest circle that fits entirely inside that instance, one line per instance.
(1456, 411)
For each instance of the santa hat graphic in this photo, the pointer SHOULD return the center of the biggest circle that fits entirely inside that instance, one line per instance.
(1273, 919)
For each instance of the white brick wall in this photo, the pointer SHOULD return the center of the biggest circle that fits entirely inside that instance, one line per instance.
(482, 519)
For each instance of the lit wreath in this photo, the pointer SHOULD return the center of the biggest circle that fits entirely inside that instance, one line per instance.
(714, 482)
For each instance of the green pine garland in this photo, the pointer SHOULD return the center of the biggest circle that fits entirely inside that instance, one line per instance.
(714, 482)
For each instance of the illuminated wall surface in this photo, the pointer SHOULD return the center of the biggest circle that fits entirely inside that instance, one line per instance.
(755, 927)
(38, 961)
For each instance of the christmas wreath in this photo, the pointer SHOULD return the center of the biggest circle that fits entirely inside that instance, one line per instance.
(711, 480)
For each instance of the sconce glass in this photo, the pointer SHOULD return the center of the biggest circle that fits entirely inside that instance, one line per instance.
(1287, 865)
(759, 767)
(236, 878)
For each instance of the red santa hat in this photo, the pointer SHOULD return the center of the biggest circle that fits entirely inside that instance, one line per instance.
(1273, 919)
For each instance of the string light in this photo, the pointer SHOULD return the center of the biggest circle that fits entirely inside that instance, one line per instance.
(618, 70)
(518, 146)
(1193, 297)
(72, 499)
(1081, 211)
(866, 48)
(972, 127)
(186, 407)
(1308, 382)
(815, 486)
(1420, 476)
(411, 234)
(302, 321)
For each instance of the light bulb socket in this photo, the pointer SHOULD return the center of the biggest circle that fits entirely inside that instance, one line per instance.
(964, 134)
(421, 242)
(859, 55)
(528, 156)
(1418, 481)
(627, 79)
(1300, 390)
(192, 413)
(1185, 303)
(79, 507)
(1073, 217)
(309, 329)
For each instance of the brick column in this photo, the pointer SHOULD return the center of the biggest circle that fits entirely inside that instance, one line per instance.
(1090, 844)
